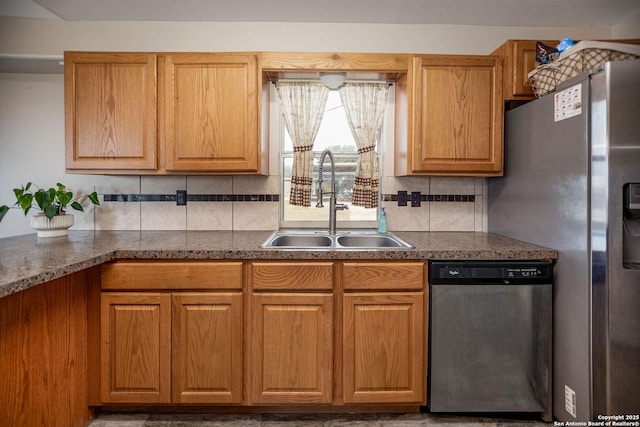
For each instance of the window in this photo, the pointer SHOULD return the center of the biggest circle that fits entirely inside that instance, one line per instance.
(335, 135)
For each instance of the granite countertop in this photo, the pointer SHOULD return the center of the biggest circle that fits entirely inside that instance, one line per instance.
(27, 260)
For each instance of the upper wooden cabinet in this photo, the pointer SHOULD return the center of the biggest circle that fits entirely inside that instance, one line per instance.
(519, 58)
(449, 117)
(206, 108)
(110, 111)
(210, 110)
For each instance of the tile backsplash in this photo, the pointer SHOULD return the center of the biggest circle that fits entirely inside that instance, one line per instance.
(447, 204)
(253, 203)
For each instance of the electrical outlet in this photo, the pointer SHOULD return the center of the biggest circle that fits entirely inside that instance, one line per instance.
(415, 199)
(181, 197)
(402, 198)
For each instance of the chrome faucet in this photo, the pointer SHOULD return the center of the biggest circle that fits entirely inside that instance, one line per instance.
(333, 206)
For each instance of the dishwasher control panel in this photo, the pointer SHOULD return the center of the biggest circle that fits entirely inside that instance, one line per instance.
(475, 272)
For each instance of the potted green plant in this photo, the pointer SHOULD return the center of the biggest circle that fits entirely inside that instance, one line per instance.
(52, 202)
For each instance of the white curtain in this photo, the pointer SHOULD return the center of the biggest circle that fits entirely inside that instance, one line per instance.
(302, 105)
(364, 105)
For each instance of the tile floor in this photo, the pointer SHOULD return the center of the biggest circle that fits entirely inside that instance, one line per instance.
(312, 420)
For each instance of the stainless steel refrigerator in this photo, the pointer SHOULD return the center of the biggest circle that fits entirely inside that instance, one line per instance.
(572, 183)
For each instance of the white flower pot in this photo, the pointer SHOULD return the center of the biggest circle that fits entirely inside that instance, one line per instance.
(57, 226)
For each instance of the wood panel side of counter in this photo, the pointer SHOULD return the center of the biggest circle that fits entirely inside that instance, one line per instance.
(43, 354)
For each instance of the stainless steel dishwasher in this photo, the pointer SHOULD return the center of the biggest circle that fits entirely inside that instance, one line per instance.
(489, 342)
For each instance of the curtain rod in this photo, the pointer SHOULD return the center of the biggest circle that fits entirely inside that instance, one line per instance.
(275, 80)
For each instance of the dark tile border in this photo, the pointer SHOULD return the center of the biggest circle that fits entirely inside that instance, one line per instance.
(435, 197)
(265, 198)
(192, 197)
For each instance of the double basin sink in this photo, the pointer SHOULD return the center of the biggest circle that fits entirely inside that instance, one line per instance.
(345, 240)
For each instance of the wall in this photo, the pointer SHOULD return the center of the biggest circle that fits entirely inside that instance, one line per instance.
(627, 29)
(32, 117)
(34, 36)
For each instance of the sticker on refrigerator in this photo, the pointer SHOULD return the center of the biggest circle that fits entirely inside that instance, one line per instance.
(567, 103)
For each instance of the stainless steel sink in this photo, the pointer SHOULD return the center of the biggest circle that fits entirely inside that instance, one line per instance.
(301, 240)
(370, 241)
(345, 240)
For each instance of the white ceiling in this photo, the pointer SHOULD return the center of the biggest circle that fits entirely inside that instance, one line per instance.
(536, 13)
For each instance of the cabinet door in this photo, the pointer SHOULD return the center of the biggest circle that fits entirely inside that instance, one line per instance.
(207, 348)
(455, 110)
(210, 112)
(384, 348)
(291, 348)
(110, 111)
(519, 58)
(524, 61)
(135, 347)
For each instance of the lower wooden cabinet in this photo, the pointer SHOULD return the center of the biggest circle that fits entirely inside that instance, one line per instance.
(384, 348)
(136, 347)
(206, 348)
(291, 348)
(300, 333)
(43, 353)
(384, 332)
(171, 348)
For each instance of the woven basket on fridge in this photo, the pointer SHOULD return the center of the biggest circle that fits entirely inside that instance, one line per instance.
(582, 57)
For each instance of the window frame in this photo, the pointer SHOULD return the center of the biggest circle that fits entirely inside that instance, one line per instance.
(320, 224)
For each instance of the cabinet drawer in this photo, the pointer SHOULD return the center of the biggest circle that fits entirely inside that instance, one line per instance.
(172, 275)
(292, 275)
(383, 276)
